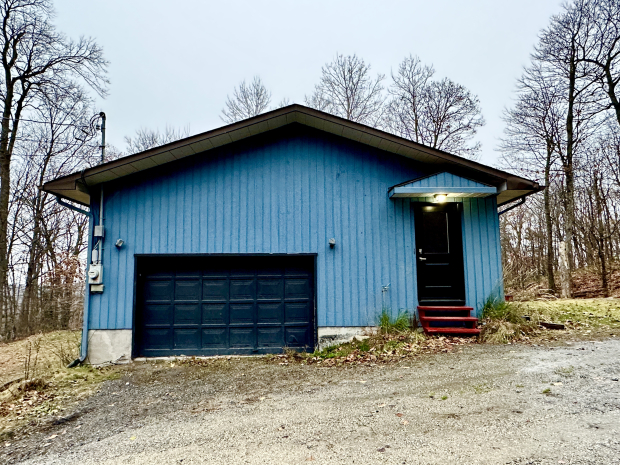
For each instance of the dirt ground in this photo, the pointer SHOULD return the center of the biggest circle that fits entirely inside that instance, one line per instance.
(481, 404)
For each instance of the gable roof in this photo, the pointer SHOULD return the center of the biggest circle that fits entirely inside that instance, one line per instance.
(442, 183)
(76, 186)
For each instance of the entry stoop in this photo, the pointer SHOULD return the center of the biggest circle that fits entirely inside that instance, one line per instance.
(454, 320)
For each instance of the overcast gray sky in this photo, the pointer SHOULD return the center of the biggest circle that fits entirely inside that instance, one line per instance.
(174, 62)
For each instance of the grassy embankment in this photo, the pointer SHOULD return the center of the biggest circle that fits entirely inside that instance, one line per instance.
(36, 385)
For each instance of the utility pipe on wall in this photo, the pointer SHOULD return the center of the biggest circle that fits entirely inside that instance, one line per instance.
(103, 120)
(84, 345)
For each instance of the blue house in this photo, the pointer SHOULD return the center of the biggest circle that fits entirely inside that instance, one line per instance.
(282, 230)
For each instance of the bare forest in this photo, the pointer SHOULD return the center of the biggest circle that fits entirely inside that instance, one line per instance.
(562, 128)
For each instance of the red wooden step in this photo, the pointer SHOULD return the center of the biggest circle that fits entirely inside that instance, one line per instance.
(446, 309)
(428, 330)
(449, 318)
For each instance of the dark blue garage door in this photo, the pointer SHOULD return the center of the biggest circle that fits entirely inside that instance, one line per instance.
(218, 305)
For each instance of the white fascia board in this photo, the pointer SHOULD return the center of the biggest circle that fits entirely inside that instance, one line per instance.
(430, 191)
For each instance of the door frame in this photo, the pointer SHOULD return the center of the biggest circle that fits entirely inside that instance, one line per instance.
(137, 257)
(455, 210)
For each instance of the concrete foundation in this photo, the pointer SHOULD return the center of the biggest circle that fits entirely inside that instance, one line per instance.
(109, 346)
(114, 345)
(333, 335)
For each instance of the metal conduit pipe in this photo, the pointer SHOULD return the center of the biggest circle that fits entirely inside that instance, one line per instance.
(84, 345)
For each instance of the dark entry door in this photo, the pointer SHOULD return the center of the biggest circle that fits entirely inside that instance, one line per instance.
(218, 305)
(439, 251)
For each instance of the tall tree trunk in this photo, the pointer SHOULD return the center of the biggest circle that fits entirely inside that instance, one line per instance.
(548, 222)
(568, 167)
(600, 234)
(564, 271)
(5, 185)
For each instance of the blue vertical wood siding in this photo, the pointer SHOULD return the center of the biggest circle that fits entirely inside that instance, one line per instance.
(288, 191)
(444, 179)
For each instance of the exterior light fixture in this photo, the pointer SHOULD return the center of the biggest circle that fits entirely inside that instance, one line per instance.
(440, 198)
(332, 243)
(119, 243)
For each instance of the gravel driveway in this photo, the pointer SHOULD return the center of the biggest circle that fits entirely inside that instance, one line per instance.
(483, 405)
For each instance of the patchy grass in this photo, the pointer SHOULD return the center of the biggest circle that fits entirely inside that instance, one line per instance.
(390, 325)
(577, 313)
(36, 383)
(27, 357)
(505, 322)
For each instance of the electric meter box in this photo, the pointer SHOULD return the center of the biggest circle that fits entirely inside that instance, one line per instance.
(95, 274)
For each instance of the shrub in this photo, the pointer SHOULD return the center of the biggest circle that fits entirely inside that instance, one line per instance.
(503, 321)
(388, 324)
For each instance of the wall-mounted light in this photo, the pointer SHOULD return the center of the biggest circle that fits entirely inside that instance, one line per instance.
(332, 243)
(119, 243)
(441, 198)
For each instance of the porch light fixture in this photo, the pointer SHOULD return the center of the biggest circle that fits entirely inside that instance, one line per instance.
(119, 243)
(440, 198)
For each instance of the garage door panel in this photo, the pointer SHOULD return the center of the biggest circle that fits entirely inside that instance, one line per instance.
(215, 290)
(243, 338)
(157, 314)
(158, 338)
(269, 289)
(296, 337)
(297, 312)
(185, 314)
(270, 337)
(208, 305)
(241, 313)
(158, 290)
(242, 289)
(215, 314)
(297, 288)
(214, 338)
(187, 338)
(187, 290)
(270, 312)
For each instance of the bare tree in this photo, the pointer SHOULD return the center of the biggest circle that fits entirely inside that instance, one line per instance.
(560, 127)
(145, 139)
(347, 89)
(598, 44)
(533, 141)
(50, 150)
(558, 54)
(35, 60)
(440, 114)
(248, 100)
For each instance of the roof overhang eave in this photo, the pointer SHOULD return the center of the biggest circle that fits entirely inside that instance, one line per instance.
(201, 143)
